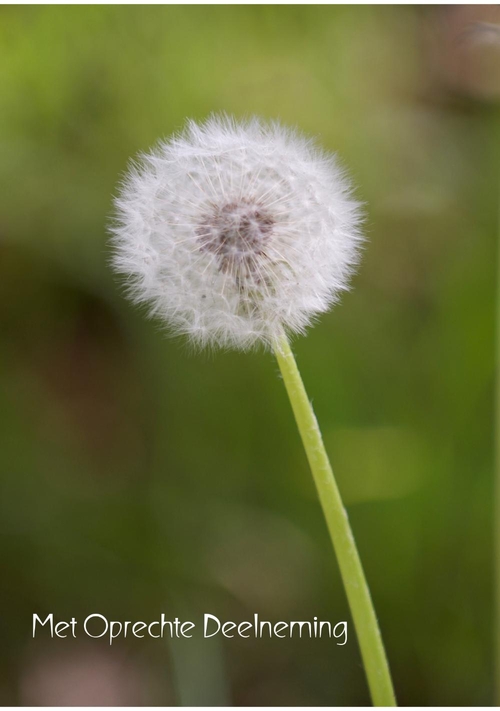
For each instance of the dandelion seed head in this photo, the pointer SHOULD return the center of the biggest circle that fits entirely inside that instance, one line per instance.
(235, 232)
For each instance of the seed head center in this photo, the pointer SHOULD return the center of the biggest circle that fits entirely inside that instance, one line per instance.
(236, 233)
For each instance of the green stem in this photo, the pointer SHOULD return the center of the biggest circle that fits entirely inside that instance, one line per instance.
(358, 594)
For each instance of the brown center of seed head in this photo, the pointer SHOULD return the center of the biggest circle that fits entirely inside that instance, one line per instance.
(236, 233)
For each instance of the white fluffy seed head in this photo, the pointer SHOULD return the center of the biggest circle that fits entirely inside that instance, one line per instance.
(235, 232)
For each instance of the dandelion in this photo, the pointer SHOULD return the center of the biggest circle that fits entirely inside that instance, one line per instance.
(232, 233)
(236, 234)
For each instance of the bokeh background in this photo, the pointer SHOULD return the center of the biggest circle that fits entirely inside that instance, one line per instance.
(138, 477)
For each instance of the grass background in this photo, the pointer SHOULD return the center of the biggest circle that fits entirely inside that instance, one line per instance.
(137, 477)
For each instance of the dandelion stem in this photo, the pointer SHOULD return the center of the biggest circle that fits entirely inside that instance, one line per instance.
(356, 587)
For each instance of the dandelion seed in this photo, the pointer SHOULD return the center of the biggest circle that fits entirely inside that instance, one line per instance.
(235, 232)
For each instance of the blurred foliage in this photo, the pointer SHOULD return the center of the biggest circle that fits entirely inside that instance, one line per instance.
(138, 477)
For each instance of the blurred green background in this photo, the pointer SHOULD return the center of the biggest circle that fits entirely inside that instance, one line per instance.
(138, 477)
